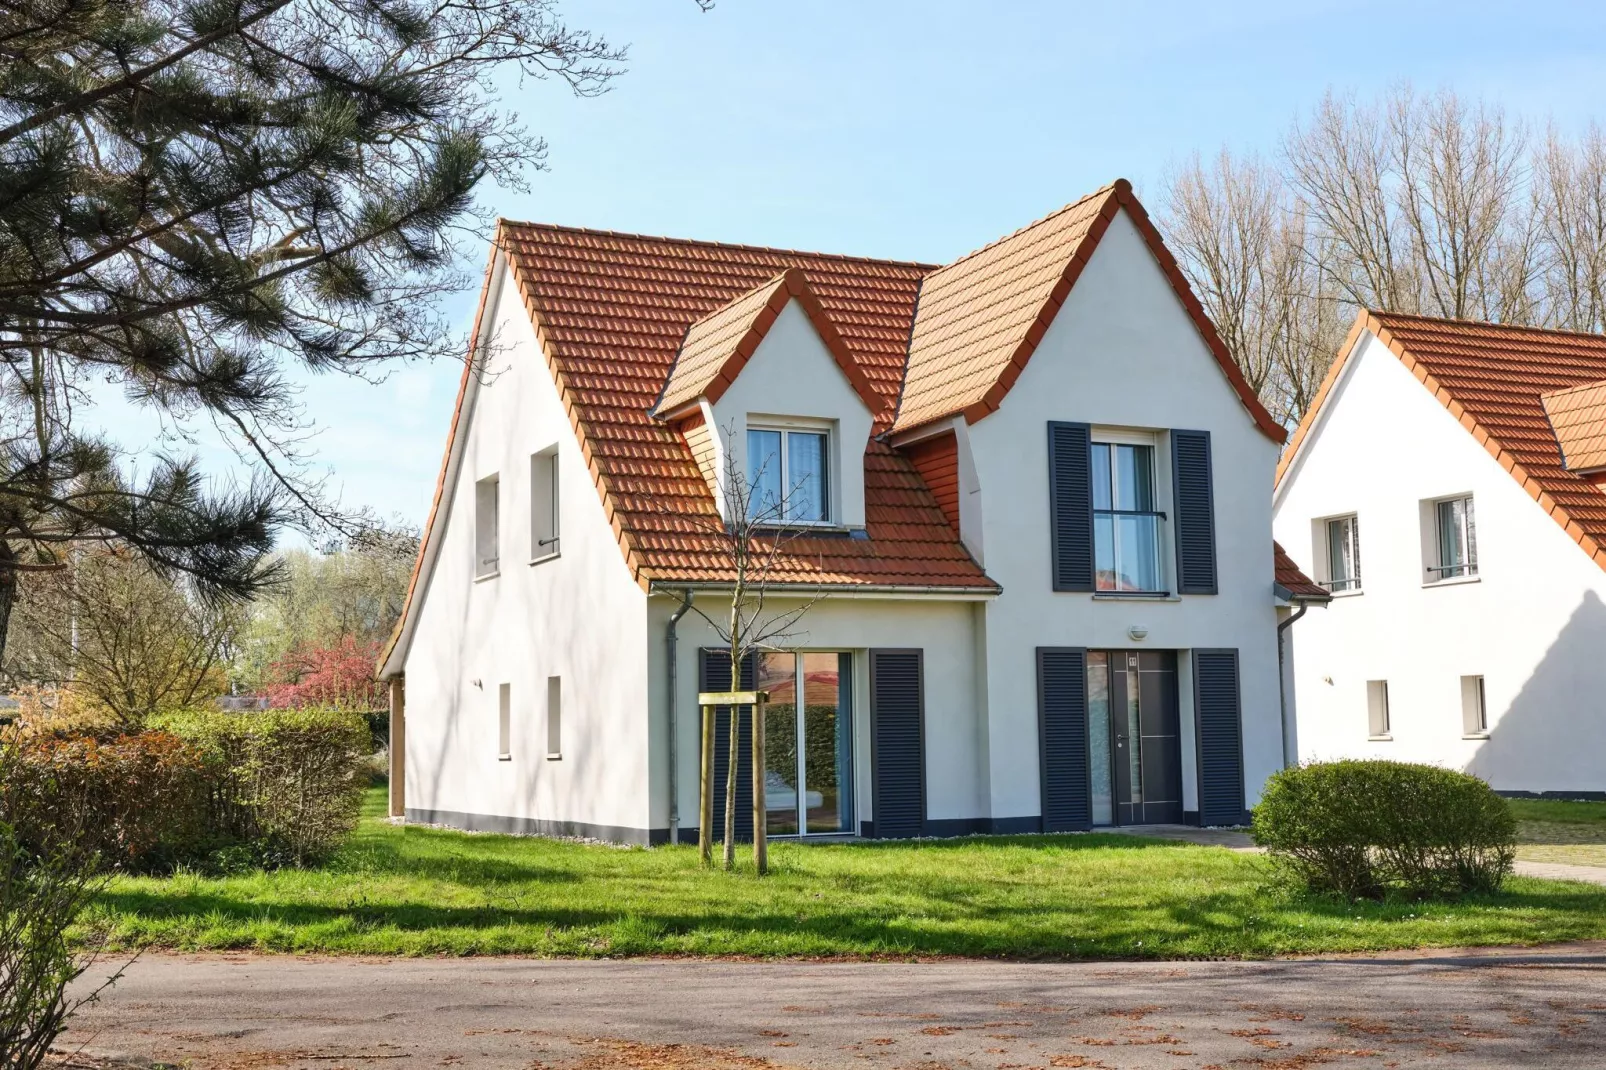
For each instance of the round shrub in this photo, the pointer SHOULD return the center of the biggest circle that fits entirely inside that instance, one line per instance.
(1363, 828)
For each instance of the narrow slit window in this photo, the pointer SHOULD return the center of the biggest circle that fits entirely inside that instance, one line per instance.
(1377, 708)
(487, 559)
(544, 504)
(1474, 707)
(554, 717)
(504, 722)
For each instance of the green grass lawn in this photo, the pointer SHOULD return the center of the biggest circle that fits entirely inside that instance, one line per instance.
(1551, 831)
(414, 891)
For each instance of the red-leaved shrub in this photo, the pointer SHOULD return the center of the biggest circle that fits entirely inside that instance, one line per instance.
(335, 677)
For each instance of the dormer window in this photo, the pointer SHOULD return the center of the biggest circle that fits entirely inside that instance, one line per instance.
(789, 475)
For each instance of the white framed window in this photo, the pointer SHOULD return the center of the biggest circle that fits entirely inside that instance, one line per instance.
(1378, 725)
(1455, 540)
(789, 475)
(1474, 708)
(1341, 553)
(504, 722)
(487, 557)
(554, 718)
(544, 504)
(1126, 522)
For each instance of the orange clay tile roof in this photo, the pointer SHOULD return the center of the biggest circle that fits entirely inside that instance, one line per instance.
(981, 318)
(611, 311)
(718, 346)
(1287, 575)
(1493, 379)
(1578, 416)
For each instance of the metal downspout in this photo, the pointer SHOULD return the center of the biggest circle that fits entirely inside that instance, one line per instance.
(1289, 759)
(674, 718)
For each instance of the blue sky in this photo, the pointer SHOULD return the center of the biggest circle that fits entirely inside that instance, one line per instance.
(920, 130)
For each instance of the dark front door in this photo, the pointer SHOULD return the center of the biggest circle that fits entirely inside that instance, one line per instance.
(1134, 737)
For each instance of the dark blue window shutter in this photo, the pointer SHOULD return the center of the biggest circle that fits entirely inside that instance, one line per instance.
(1070, 505)
(1194, 503)
(1062, 734)
(897, 738)
(1219, 737)
(714, 674)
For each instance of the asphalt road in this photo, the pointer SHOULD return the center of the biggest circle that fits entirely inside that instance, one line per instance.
(1447, 1010)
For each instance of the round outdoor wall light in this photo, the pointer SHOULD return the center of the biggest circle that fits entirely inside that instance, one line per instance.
(1138, 633)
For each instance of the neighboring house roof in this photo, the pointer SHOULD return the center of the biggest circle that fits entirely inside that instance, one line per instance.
(719, 345)
(1493, 379)
(981, 318)
(1578, 417)
(1291, 584)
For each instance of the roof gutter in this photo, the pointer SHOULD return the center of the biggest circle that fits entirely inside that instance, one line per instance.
(857, 590)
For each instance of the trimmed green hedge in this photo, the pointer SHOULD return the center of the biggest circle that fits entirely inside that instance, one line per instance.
(287, 782)
(1363, 829)
(207, 788)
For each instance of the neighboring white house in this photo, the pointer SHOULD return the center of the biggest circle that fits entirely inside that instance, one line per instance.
(1449, 486)
(1037, 499)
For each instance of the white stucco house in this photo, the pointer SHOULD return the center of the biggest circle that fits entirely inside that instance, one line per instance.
(1037, 499)
(1448, 485)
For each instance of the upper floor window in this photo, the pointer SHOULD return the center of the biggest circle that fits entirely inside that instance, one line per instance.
(788, 476)
(487, 559)
(1126, 526)
(544, 504)
(1457, 539)
(1343, 554)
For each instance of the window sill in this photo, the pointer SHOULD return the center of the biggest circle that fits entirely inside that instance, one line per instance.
(1453, 581)
(482, 577)
(544, 558)
(554, 757)
(1352, 593)
(1475, 735)
(504, 757)
(1380, 739)
(797, 527)
(1135, 596)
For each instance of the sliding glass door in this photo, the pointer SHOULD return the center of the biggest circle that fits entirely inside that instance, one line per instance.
(808, 754)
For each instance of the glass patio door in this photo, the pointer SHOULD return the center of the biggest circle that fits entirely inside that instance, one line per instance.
(808, 758)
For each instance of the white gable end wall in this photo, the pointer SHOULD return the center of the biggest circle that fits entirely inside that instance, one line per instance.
(579, 617)
(1122, 352)
(1533, 624)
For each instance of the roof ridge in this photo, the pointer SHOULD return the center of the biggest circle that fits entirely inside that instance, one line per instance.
(1485, 323)
(706, 243)
(1104, 190)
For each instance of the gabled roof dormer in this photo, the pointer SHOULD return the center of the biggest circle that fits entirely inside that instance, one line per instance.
(771, 361)
(1578, 417)
(718, 346)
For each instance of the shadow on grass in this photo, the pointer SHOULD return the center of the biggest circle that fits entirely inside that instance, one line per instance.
(1243, 921)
